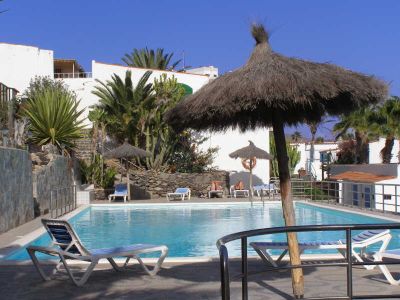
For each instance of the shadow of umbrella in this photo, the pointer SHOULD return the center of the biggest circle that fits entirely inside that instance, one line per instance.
(250, 154)
(126, 151)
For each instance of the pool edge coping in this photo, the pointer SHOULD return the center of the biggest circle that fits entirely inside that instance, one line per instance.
(26, 239)
(21, 242)
(352, 210)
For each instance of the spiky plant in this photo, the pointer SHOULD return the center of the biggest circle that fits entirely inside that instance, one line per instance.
(54, 118)
(148, 58)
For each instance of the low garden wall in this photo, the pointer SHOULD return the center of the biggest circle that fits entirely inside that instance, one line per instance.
(16, 201)
(150, 184)
(56, 174)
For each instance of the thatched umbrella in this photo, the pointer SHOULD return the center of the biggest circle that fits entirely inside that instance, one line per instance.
(274, 90)
(126, 151)
(251, 152)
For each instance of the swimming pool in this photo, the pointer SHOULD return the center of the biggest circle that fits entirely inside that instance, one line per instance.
(191, 230)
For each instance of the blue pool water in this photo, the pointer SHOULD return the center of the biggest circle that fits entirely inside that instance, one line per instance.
(192, 230)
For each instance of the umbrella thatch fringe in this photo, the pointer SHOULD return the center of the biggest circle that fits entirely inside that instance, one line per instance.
(271, 84)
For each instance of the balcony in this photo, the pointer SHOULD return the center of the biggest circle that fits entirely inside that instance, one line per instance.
(72, 75)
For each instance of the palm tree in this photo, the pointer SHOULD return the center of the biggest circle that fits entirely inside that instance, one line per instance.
(358, 122)
(123, 105)
(137, 113)
(54, 118)
(385, 121)
(296, 136)
(150, 59)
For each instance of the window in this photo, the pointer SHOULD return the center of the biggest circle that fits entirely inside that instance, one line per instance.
(387, 197)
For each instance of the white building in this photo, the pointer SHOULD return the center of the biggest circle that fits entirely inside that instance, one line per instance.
(322, 152)
(230, 141)
(371, 186)
(376, 147)
(19, 64)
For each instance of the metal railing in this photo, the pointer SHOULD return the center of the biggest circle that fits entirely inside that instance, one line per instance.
(348, 262)
(383, 197)
(73, 75)
(62, 201)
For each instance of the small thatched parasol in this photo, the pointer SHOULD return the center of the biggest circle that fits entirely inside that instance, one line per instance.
(274, 90)
(251, 152)
(126, 151)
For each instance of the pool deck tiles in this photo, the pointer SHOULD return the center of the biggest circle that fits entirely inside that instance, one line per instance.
(185, 281)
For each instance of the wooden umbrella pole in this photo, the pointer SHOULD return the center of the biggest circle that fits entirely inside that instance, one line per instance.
(128, 180)
(251, 180)
(287, 204)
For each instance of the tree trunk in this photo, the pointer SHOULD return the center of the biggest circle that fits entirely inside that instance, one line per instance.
(287, 205)
(251, 181)
(313, 129)
(128, 181)
(398, 154)
(357, 135)
(386, 152)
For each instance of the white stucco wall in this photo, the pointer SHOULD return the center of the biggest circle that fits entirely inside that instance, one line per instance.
(83, 87)
(104, 71)
(304, 149)
(375, 149)
(19, 64)
(388, 187)
(232, 140)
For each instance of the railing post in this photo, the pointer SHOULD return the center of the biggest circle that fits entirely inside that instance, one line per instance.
(383, 197)
(244, 269)
(224, 269)
(349, 258)
(395, 199)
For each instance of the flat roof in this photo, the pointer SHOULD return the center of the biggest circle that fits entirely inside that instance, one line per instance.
(167, 71)
(361, 177)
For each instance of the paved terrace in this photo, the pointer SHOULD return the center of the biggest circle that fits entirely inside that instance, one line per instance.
(185, 280)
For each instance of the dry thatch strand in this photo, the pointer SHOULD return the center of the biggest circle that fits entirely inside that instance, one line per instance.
(126, 150)
(270, 84)
(251, 151)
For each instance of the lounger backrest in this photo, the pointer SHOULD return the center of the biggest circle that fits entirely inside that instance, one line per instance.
(64, 236)
(121, 189)
(182, 191)
(368, 235)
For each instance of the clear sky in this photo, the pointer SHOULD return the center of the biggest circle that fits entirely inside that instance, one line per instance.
(363, 35)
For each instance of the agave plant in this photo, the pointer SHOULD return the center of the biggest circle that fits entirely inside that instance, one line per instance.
(54, 118)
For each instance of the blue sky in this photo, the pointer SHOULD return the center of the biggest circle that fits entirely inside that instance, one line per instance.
(363, 35)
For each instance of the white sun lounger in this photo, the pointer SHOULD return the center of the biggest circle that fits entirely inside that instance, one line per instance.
(179, 193)
(67, 245)
(359, 242)
(392, 254)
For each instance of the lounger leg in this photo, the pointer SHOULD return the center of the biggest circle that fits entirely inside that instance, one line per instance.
(386, 271)
(79, 281)
(157, 267)
(385, 244)
(115, 265)
(268, 259)
(37, 265)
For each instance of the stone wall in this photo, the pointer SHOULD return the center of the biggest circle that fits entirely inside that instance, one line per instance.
(56, 175)
(16, 201)
(150, 184)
